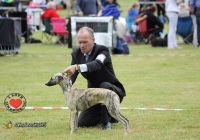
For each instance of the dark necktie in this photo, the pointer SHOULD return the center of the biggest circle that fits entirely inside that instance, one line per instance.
(86, 57)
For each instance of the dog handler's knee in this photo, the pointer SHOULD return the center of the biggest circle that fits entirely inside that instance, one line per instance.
(105, 85)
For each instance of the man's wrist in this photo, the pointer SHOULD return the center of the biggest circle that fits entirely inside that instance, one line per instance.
(77, 67)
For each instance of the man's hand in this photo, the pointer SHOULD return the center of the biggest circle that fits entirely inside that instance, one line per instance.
(70, 70)
(191, 10)
(80, 13)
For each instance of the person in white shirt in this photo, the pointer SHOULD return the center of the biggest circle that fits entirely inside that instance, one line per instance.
(172, 10)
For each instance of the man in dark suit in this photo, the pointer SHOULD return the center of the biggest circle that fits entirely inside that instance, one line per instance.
(98, 70)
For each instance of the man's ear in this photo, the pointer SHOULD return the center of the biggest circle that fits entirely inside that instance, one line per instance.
(93, 39)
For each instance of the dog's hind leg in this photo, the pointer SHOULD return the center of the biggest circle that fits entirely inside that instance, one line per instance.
(123, 120)
(118, 116)
(126, 123)
(74, 121)
(114, 111)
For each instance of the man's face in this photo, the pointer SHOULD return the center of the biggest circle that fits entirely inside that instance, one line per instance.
(86, 42)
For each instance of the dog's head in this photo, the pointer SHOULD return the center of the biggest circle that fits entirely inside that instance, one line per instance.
(57, 79)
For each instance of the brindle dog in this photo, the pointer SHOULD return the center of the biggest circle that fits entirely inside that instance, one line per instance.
(81, 99)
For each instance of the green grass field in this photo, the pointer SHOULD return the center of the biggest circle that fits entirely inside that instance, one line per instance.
(152, 77)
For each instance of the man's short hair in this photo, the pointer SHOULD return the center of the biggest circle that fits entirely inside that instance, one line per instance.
(90, 31)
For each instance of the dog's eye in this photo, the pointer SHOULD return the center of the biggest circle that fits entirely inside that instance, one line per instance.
(60, 77)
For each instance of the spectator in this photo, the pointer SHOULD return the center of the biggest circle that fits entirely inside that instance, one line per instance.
(195, 9)
(16, 3)
(50, 12)
(103, 2)
(70, 7)
(111, 9)
(83, 8)
(133, 11)
(98, 71)
(152, 21)
(172, 10)
(87, 7)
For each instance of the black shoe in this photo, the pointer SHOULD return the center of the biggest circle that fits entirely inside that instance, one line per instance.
(27, 40)
(113, 120)
(106, 126)
(33, 40)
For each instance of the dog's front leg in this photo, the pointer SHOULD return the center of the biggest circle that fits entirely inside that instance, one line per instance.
(74, 122)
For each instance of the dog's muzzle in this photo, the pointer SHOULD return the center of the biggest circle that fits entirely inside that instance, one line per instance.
(50, 83)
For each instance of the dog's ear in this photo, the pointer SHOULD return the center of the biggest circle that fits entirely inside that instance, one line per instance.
(59, 76)
(68, 76)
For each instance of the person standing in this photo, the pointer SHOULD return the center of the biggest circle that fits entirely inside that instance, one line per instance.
(70, 7)
(99, 72)
(195, 9)
(16, 3)
(83, 8)
(87, 7)
(172, 10)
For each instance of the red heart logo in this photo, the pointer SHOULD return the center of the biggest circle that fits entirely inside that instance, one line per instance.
(15, 102)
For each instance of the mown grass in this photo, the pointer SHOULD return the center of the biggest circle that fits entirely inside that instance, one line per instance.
(152, 77)
(159, 80)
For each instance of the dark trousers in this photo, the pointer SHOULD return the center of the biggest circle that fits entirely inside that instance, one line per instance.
(160, 9)
(98, 113)
(70, 35)
(197, 13)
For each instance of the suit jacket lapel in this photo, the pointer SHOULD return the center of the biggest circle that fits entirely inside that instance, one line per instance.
(82, 58)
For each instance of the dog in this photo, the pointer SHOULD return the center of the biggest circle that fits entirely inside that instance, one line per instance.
(157, 41)
(81, 99)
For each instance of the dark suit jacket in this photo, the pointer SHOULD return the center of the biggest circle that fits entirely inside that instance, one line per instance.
(98, 72)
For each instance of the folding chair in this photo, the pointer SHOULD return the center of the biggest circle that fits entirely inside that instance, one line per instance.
(143, 28)
(47, 31)
(59, 29)
(185, 29)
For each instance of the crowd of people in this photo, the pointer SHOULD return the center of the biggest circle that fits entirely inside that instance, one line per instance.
(173, 9)
(156, 15)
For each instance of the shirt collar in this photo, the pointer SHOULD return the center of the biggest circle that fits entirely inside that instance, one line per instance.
(87, 53)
